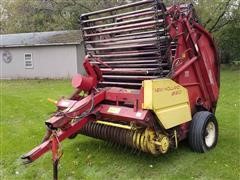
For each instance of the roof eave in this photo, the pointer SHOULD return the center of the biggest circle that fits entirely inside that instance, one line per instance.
(35, 45)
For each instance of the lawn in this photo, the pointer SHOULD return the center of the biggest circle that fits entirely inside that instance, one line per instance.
(24, 108)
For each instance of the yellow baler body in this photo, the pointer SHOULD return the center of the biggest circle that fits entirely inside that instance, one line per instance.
(168, 100)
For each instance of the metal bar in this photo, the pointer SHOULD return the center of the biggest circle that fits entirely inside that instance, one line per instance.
(144, 50)
(141, 33)
(139, 65)
(132, 52)
(130, 71)
(119, 77)
(127, 69)
(123, 38)
(119, 7)
(120, 47)
(127, 58)
(155, 39)
(138, 15)
(120, 83)
(118, 15)
(118, 23)
(126, 55)
(120, 31)
(143, 24)
(114, 124)
(183, 67)
(128, 62)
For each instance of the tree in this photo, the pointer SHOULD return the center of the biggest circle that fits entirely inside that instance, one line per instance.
(220, 17)
(48, 15)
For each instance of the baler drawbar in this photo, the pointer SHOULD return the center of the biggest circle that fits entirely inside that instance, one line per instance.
(152, 80)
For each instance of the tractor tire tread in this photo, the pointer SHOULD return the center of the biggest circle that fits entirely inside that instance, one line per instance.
(199, 121)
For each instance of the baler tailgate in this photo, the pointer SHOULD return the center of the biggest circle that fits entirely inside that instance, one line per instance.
(135, 32)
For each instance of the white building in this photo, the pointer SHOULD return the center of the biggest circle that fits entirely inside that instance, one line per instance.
(57, 54)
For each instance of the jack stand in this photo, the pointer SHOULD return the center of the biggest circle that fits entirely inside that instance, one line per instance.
(56, 154)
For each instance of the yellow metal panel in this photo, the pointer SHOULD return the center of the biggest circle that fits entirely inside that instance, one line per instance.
(147, 95)
(173, 116)
(168, 100)
(114, 124)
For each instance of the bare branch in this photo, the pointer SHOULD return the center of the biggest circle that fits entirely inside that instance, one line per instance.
(220, 16)
(217, 28)
(207, 22)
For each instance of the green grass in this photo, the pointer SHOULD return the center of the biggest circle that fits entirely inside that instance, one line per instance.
(25, 108)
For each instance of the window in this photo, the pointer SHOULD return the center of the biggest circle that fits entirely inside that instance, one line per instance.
(28, 61)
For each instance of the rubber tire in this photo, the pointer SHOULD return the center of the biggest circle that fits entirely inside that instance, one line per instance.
(197, 130)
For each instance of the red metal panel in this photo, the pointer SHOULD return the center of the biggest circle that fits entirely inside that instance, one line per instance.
(123, 114)
(196, 61)
(122, 94)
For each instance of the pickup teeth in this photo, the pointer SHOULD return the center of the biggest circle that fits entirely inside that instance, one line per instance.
(140, 140)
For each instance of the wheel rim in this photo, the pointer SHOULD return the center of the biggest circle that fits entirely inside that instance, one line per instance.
(210, 134)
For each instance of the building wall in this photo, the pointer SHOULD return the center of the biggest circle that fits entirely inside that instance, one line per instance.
(48, 62)
(80, 57)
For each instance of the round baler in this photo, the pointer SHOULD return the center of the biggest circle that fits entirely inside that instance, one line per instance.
(151, 80)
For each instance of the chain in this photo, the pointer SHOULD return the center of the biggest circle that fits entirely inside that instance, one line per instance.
(60, 151)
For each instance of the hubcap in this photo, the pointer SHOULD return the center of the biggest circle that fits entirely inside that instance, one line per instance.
(210, 134)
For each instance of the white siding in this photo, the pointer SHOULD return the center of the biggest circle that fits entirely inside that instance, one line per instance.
(48, 62)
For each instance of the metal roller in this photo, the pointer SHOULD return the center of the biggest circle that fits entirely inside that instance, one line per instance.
(134, 13)
(145, 140)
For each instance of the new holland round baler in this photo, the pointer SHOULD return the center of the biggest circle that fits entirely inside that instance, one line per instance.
(151, 81)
